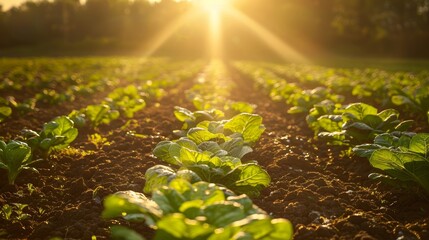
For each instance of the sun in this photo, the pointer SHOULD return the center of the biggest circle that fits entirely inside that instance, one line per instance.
(213, 6)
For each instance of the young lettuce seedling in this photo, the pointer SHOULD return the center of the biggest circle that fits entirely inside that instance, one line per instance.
(5, 112)
(15, 157)
(305, 100)
(192, 119)
(55, 135)
(100, 114)
(129, 100)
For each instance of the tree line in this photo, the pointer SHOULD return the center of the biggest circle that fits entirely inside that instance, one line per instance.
(385, 27)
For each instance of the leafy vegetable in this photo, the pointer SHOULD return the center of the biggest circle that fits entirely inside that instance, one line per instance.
(55, 135)
(78, 118)
(160, 175)
(402, 156)
(123, 233)
(248, 178)
(100, 114)
(236, 147)
(415, 99)
(201, 210)
(14, 212)
(52, 97)
(304, 100)
(393, 140)
(191, 119)
(5, 112)
(403, 166)
(320, 115)
(129, 100)
(360, 123)
(15, 157)
(240, 107)
(248, 125)
(22, 107)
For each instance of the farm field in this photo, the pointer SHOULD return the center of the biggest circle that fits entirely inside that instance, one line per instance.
(323, 153)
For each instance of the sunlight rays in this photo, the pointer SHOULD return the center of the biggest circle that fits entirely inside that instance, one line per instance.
(166, 33)
(213, 6)
(215, 35)
(214, 10)
(272, 41)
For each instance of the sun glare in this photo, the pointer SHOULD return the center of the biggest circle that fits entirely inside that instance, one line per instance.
(213, 6)
(215, 10)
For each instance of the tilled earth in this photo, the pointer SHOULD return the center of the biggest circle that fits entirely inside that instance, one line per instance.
(325, 194)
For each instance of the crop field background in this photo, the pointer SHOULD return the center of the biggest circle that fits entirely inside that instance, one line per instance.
(214, 119)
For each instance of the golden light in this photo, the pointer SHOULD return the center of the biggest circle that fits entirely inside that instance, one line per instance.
(276, 44)
(215, 34)
(212, 6)
(163, 36)
(215, 10)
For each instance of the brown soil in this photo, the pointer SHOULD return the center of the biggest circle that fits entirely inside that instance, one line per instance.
(324, 195)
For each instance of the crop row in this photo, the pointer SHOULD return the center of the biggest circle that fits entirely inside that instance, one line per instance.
(17, 155)
(410, 90)
(51, 89)
(381, 136)
(195, 196)
(49, 82)
(31, 146)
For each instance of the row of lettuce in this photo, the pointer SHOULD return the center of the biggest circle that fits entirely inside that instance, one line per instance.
(381, 136)
(203, 188)
(410, 90)
(48, 82)
(32, 146)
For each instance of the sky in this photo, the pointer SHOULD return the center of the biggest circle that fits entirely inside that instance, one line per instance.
(11, 3)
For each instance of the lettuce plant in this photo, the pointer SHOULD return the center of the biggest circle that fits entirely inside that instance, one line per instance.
(95, 115)
(240, 107)
(5, 112)
(324, 108)
(360, 123)
(100, 114)
(9, 105)
(303, 101)
(15, 157)
(202, 210)
(22, 107)
(191, 119)
(417, 100)
(408, 162)
(393, 140)
(211, 152)
(52, 97)
(247, 126)
(202, 126)
(78, 118)
(55, 135)
(196, 165)
(128, 100)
